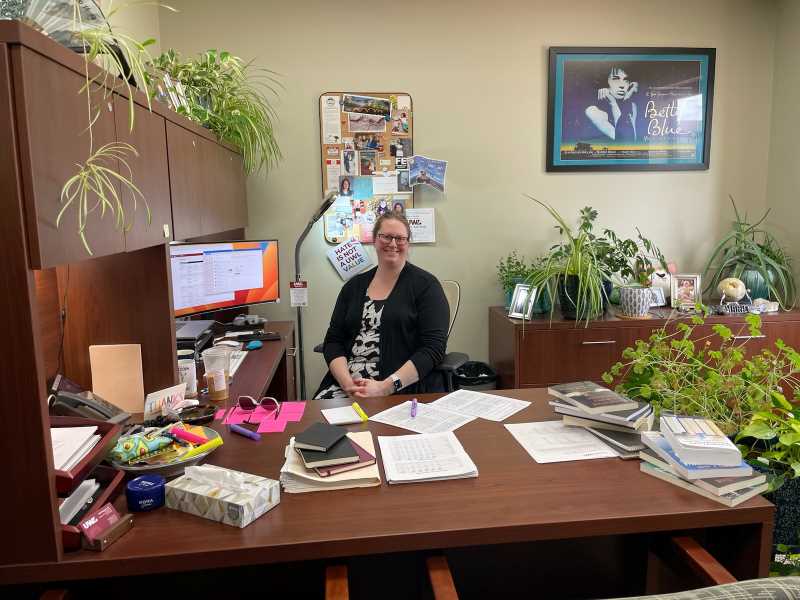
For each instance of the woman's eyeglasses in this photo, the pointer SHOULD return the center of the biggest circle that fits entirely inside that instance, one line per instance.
(400, 240)
(248, 404)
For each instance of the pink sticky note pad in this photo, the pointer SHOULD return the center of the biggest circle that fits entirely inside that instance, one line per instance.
(238, 416)
(272, 425)
(219, 414)
(293, 410)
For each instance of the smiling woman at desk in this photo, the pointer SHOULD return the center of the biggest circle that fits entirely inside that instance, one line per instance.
(389, 327)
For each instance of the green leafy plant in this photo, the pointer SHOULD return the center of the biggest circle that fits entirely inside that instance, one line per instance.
(634, 260)
(94, 185)
(511, 270)
(229, 96)
(578, 257)
(679, 369)
(773, 436)
(748, 248)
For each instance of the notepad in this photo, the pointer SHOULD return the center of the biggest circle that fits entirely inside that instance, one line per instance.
(343, 415)
(71, 444)
(319, 436)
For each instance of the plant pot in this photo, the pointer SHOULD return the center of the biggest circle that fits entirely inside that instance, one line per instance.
(510, 293)
(568, 289)
(755, 284)
(634, 301)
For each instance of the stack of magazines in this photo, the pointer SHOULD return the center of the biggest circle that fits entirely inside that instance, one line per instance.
(610, 416)
(692, 453)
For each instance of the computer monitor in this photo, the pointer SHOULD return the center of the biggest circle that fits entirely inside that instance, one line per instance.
(213, 276)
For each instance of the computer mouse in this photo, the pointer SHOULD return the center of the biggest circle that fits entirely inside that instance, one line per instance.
(254, 345)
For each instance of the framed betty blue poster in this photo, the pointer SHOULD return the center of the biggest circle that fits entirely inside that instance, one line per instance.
(629, 109)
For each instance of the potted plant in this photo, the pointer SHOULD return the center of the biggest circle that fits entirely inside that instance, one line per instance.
(679, 371)
(229, 97)
(511, 270)
(574, 269)
(636, 261)
(771, 442)
(752, 254)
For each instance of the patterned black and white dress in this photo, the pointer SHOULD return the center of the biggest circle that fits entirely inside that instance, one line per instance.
(365, 353)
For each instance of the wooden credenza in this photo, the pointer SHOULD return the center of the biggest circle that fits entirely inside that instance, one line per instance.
(542, 352)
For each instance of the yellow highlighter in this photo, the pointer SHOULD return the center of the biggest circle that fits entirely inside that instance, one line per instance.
(207, 447)
(360, 412)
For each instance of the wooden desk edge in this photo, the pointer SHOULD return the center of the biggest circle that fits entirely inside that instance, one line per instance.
(70, 570)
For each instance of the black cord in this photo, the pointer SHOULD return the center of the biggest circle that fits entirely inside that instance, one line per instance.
(63, 324)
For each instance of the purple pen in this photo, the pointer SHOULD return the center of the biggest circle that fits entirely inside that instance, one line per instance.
(413, 407)
(245, 432)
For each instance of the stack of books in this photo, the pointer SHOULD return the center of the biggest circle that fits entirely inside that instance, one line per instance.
(610, 416)
(327, 457)
(692, 453)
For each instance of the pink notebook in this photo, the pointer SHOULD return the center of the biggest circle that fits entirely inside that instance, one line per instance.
(365, 459)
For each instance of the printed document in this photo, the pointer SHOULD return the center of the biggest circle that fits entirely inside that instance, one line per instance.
(425, 457)
(478, 404)
(429, 418)
(552, 441)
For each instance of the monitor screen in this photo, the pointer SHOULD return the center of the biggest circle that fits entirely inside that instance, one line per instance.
(209, 277)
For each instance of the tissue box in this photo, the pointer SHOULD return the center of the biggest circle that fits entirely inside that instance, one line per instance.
(224, 495)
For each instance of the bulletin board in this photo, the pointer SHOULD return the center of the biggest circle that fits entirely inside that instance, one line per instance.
(366, 139)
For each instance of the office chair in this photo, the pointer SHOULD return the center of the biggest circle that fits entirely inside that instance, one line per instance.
(451, 360)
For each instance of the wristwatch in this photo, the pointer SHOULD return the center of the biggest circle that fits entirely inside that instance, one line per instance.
(397, 385)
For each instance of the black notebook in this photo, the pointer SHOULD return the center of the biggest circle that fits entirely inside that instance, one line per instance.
(341, 453)
(320, 437)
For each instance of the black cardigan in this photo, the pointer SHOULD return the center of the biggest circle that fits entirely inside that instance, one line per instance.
(414, 326)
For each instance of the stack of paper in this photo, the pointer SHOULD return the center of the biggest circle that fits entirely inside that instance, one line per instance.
(552, 441)
(71, 445)
(296, 478)
(450, 412)
(425, 457)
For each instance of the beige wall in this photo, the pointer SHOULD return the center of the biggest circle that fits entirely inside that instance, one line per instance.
(136, 19)
(784, 159)
(477, 72)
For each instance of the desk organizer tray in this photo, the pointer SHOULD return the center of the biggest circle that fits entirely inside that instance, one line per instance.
(66, 481)
(110, 481)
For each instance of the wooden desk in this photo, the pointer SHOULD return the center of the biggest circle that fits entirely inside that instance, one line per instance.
(270, 370)
(513, 500)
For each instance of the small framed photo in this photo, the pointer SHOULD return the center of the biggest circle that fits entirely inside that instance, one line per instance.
(522, 302)
(657, 297)
(685, 290)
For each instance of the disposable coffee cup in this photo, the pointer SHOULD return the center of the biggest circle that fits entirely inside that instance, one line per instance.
(187, 371)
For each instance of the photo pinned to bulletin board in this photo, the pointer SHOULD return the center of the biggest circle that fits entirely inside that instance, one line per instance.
(367, 139)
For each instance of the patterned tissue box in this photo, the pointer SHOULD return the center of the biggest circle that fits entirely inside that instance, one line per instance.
(224, 495)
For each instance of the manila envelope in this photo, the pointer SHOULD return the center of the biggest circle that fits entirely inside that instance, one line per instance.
(117, 375)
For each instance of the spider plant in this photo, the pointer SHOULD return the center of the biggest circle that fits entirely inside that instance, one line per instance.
(93, 187)
(229, 96)
(751, 253)
(574, 270)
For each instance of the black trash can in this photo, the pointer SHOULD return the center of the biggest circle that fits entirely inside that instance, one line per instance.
(475, 375)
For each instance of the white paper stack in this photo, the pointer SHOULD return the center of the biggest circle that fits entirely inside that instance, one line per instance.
(296, 479)
(425, 457)
(77, 499)
(71, 445)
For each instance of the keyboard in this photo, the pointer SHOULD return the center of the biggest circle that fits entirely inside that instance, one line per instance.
(237, 356)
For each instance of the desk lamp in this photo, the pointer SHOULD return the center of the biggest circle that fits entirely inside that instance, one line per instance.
(326, 204)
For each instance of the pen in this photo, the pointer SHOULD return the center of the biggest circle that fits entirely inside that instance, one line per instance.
(360, 412)
(413, 407)
(207, 447)
(244, 431)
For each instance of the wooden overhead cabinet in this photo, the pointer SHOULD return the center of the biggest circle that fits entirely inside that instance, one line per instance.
(207, 185)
